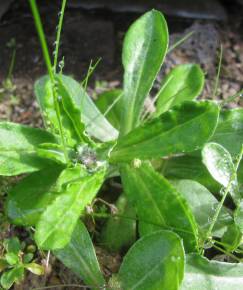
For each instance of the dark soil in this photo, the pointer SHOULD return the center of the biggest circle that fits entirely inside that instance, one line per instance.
(92, 34)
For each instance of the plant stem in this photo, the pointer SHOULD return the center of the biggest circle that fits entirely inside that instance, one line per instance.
(218, 72)
(47, 59)
(227, 253)
(215, 217)
(180, 41)
(59, 30)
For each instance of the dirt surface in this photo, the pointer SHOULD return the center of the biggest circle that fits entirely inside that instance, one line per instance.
(89, 35)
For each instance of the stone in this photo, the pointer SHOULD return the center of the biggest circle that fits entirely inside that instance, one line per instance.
(207, 9)
(4, 6)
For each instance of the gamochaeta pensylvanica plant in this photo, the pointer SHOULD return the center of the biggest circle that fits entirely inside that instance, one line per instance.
(165, 180)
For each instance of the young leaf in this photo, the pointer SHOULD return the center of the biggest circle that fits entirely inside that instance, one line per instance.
(183, 83)
(58, 221)
(79, 256)
(144, 49)
(220, 165)
(203, 205)
(95, 122)
(110, 103)
(182, 129)
(18, 148)
(201, 274)
(9, 277)
(158, 204)
(120, 232)
(13, 245)
(156, 261)
(31, 196)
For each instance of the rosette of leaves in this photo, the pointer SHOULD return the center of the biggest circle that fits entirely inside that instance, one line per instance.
(68, 161)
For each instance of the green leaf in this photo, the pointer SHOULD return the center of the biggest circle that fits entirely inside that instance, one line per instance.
(12, 258)
(79, 256)
(3, 265)
(110, 102)
(232, 238)
(158, 204)
(13, 245)
(58, 221)
(120, 232)
(18, 148)
(44, 95)
(184, 128)
(72, 110)
(183, 83)
(203, 205)
(27, 200)
(189, 166)
(95, 122)
(221, 167)
(51, 151)
(35, 268)
(154, 262)
(12, 276)
(229, 132)
(201, 274)
(239, 216)
(144, 49)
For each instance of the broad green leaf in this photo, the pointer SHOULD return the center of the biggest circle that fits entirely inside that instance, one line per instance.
(12, 258)
(27, 200)
(57, 222)
(120, 232)
(158, 204)
(201, 274)
(229, 132)
(51, 151)
(95, 122)
(12, 245)
(183, 83)
(154, 262)
(110, 103)
(9, 277)
(220, 165)
(18, 148)
(203, 205)
(232, 238)
(44, 95)
(189, 166)
(72, 110)
(70, 175)
(144, 49)
(184, 128)
(79, 256)
(239, 216)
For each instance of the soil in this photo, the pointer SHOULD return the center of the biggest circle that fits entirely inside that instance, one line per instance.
(97, 34)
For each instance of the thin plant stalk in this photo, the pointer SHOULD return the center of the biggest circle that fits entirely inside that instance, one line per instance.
(47, 59)
(59, 30)
(215, 217)
(216, 85)
(180, 41)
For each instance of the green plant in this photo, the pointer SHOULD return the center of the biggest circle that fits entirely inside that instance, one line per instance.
(14, 260)
(165, 180)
